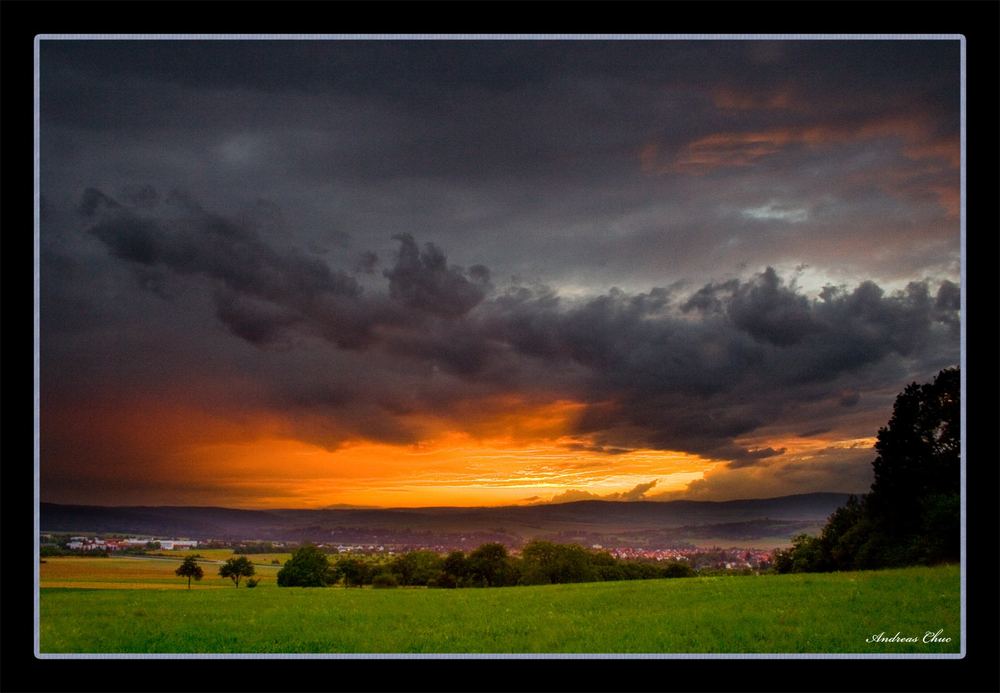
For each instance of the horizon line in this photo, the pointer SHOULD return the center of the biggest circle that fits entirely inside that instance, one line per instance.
(462, 507)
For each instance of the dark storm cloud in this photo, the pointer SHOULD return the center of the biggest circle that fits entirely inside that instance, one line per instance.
(752, 458)
(702, 383)
(771, 312)
(188, 241)
(655, 369)
(422, 279)
(366, 262)
(513, 137)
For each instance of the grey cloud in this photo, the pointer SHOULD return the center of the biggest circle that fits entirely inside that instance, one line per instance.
(771, 312)
(948, 297)
(708, 299)
(366, 262)
(752, 458)
(812, 432)
(258, 322)
(422, 279)
(202, 243)
(188, 241)
(701, 384)
(849, 398)
(93, 201)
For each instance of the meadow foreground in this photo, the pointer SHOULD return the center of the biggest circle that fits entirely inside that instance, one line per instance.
(856, 612)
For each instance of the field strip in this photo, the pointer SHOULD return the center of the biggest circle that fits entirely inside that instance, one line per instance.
(93, 585)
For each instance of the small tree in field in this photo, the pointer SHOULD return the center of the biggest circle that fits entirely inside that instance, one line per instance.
(190, 569)
(235, 568)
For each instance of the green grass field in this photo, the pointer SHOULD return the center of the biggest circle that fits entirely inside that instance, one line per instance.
(768, 613)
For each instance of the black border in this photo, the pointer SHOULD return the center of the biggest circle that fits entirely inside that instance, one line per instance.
(978, 21)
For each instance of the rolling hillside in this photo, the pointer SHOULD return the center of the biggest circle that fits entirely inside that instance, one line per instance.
(637, 523)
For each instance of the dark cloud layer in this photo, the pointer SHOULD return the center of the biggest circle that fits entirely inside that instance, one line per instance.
(567, 159)
(421, 279)
(691, 372)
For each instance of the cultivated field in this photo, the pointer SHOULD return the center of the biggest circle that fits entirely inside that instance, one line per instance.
(770, 613)
(223, 554)
(146, 572)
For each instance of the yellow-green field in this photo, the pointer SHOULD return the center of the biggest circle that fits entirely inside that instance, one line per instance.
(138, 573)
(831, 612)
(223, 554)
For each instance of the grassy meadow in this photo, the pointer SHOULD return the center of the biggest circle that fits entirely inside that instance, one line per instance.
(801, 613)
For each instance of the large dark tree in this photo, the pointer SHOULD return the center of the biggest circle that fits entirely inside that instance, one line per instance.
(416, 567)
(545, 562)
(912, 513)
(308, 567)
(355, 571)
(190, 569)
(490, 566)
(915, 497)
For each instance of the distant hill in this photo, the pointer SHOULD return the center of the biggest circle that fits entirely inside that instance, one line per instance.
(591, 521)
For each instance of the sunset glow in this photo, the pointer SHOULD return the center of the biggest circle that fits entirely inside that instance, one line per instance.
(454, 470)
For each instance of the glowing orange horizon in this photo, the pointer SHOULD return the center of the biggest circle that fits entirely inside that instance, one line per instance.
(506, 452)
(454, 469)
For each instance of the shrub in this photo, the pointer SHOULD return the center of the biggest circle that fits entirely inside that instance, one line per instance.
(252, 582)
(384, 580)
(445, 580)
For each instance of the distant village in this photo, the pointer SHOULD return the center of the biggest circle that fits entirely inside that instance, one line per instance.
(731, 558)
(82, 543)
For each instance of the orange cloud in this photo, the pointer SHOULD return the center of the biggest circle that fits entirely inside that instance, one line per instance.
(737, 149)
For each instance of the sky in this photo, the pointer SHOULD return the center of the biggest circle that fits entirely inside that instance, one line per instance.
(487, 272)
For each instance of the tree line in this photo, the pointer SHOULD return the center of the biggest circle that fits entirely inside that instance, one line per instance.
(912, 513)
(489, 565)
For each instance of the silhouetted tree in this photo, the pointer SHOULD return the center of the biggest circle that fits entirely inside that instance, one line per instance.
(235, 568)
(190, 569)
(544, 562)
(456, 565)
(490, 566)
(355, 572)
(308, 567)
(915, 497)
(911, 515)
(416, 567)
